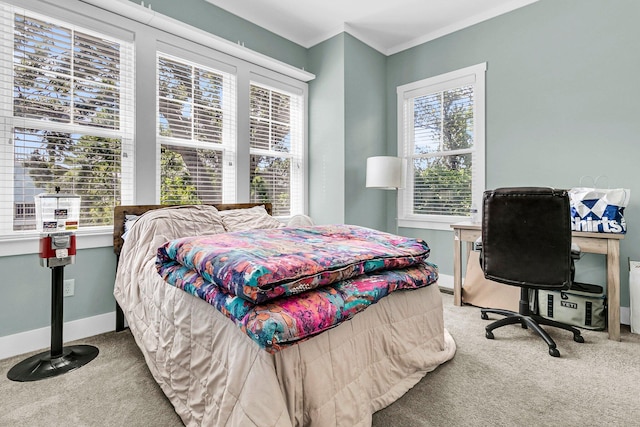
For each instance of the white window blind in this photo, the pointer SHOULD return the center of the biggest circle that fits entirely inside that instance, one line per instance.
(196, 132)
(276, 149)
(441, 134)
(66, 109)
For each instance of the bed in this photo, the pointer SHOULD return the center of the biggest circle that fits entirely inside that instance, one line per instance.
(215, 374)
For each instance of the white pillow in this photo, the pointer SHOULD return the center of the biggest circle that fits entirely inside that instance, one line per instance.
(248, 219)
(300, 221)
(129, 220)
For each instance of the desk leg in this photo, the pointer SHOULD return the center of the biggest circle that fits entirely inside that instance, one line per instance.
(613, 288)
(457, 268)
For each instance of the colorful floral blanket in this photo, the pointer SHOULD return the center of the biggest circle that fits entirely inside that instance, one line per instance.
(286, 321)
(317, 281)
(259, 265)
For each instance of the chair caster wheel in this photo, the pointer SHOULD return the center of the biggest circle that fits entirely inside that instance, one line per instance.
(554, 352)
(489, 335)
(578, 338)
(484, 316)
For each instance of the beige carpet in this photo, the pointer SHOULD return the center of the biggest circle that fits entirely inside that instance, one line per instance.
(510, 381)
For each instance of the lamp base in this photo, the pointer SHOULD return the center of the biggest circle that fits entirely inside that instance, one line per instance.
(43, 365)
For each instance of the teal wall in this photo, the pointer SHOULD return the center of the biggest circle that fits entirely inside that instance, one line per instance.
(561, 102)
(347, 104)
(365, 131)
(26, 290)
(326, 131)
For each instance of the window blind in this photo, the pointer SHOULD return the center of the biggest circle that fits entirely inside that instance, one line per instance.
(67, 110)
(441, 151)
(276, 149)
(441, 134)
(196, 132)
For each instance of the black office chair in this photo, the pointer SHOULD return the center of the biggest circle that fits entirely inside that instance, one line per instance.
(526, 242)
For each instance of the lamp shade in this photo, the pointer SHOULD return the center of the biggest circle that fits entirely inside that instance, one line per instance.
(384, 172)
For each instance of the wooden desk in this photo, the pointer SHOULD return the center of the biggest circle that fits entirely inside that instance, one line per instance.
(596, 243)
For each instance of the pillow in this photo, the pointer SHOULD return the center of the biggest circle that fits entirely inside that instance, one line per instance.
(300, 221)
(129, 220)
(157, 226)
(248, 219)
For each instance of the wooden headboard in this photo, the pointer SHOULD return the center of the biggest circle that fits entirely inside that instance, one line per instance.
(120, 212)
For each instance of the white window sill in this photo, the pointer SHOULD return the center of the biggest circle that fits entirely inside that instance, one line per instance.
(30, 243)
(443, 224)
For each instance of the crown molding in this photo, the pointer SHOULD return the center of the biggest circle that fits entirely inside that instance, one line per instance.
(147, 16)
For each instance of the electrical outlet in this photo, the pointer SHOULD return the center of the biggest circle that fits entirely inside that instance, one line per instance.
(69, 287)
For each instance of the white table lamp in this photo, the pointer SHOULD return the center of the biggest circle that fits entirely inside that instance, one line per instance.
(385, 172)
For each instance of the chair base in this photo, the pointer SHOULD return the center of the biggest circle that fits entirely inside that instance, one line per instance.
(532, 321)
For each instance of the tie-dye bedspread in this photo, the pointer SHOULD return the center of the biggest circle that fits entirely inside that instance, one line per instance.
(259, 265)
(284, 285)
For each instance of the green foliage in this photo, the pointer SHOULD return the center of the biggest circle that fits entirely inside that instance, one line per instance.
(88, 166)
(176, 185)
(270, 182)
(443, 190)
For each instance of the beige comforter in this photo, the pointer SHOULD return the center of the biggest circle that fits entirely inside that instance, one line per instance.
(215, 375)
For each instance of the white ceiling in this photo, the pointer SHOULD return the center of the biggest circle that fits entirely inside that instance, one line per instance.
(388, 26)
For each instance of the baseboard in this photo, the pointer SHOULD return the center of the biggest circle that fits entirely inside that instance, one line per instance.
(445, 281)
(38, 339)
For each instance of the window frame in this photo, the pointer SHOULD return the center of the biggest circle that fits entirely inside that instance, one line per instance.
(228, 147)
(15, 242)
(472, 75)
(297, 154)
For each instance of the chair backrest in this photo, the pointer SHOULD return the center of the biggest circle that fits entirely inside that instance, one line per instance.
(526, 237)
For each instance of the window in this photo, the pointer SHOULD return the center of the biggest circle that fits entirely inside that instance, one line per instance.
(276, 141)
(67, 117)
(196, 132)
(67, 109)
(441, 134)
